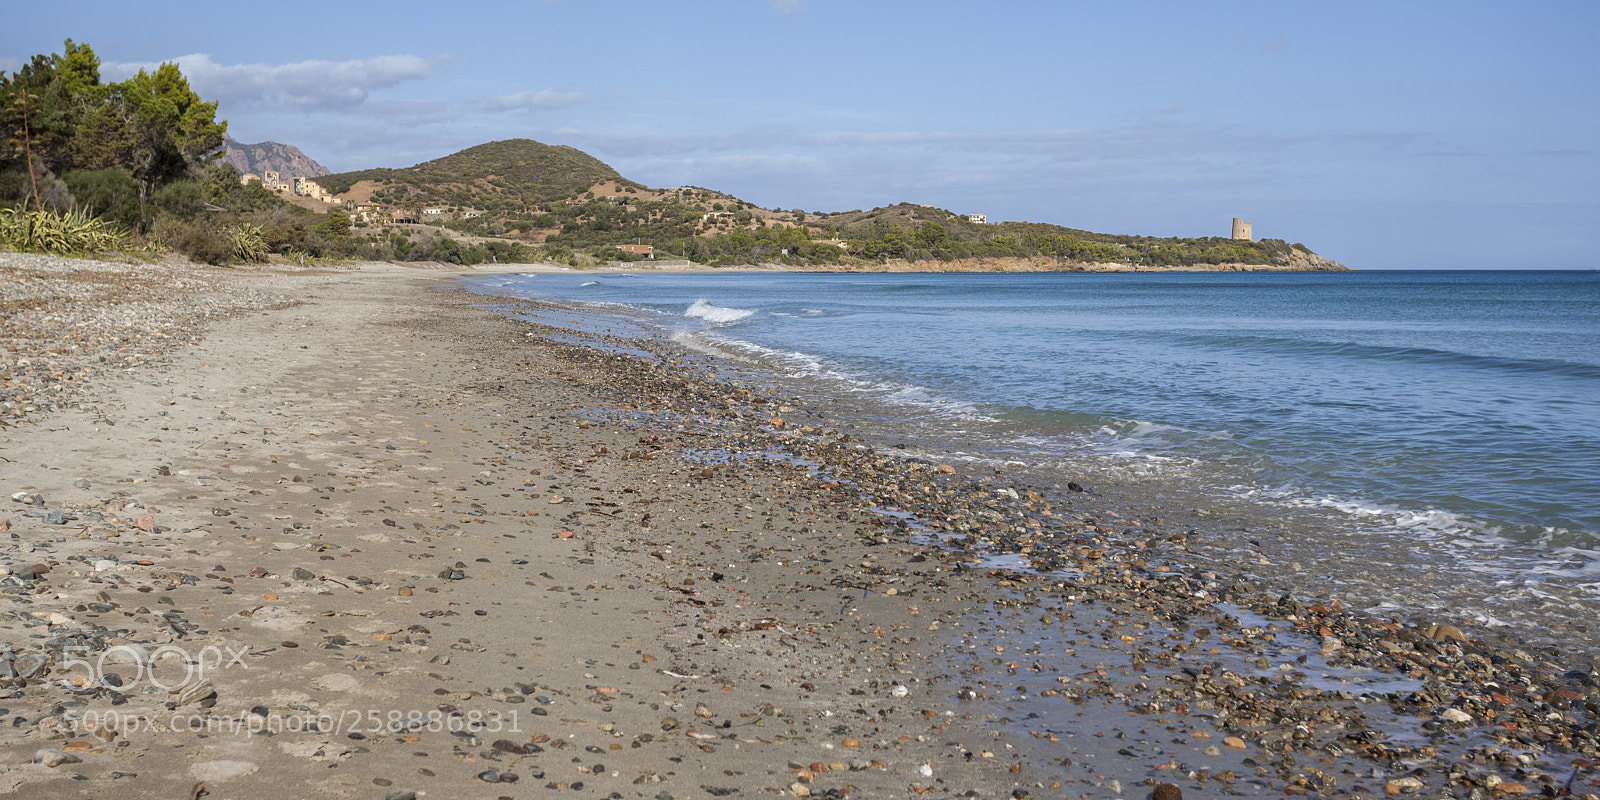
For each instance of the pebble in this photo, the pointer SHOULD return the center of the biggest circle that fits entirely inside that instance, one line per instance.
(54, 758)
(1403, 786)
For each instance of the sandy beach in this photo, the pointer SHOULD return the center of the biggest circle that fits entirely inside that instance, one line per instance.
(356, 533)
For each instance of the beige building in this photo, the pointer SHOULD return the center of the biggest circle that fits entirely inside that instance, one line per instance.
(1241, 230)
(371, 212)
(249, 178)
(981, 219)
(306, 187)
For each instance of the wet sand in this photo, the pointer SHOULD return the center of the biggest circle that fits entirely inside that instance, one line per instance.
(480, 558)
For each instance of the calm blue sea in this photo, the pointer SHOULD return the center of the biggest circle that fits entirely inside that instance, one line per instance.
(1459, 405)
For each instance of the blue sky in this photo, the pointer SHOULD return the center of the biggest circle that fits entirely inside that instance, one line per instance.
(1384, 135)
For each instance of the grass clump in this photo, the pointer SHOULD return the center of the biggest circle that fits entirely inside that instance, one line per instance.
(68, 232)
(249, 244)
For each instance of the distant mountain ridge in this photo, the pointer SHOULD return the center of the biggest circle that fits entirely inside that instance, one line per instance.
(284, 159)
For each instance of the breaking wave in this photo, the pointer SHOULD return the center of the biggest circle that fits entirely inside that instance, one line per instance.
(716, 315)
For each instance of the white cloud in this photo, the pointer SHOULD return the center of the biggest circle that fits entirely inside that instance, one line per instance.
(533, 100)
(306, 85)
(787, 8)
(9, 64)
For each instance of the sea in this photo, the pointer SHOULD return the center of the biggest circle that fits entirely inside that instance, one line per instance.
(1439, 423)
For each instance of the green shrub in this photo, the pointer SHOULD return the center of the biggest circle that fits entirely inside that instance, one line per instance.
(196, 239)
(180, 199)
(110, 193)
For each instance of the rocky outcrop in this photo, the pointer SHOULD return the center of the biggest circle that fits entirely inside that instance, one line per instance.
(284, 159)
(1307, 261)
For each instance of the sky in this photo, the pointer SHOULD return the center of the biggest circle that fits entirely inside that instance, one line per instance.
(1453, 135)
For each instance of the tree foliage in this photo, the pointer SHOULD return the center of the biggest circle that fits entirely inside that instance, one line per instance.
(152, 126)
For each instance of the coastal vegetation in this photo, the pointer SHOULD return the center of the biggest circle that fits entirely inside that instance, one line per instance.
(60, 120)
(89, 166)
(572, 208)
(680, 227)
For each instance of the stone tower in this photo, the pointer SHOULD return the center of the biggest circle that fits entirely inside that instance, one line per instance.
(1241, 230)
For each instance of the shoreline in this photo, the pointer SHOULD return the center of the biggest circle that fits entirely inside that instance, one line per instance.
(1366, 555)
(685, 594)
(1006, 265)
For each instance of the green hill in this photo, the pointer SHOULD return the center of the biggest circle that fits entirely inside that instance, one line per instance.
(503, 177)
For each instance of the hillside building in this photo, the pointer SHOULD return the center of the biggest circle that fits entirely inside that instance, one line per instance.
(648, 251)
(1241, 230)
(298, 186)
(370, 212)
(306, 187)
(981, 219)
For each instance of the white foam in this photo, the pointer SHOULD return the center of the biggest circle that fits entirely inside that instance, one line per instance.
(1580, 565)
(590, 283)
(716, 315)
(789, 362)
(804, 365)
(705, 346)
